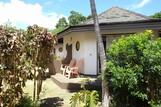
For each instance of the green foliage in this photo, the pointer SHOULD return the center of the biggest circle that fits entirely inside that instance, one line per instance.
(84, 98)
(75, 18)
(89, 16)
(153, 104)
(38, 45)
(26, 101)
(57, 30)
(157, 15)
(62, 23)
(23, 54)
(134, 70)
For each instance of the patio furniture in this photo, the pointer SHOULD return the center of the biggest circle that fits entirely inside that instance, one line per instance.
(74, 71)
(64, 66)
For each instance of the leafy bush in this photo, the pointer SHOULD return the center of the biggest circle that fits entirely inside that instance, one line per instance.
(12, 71)
(134, 70)
(85, 98)
(26, 101)
(22, 52)
(38, 47)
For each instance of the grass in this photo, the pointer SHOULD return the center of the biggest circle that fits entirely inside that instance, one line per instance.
(50, 90)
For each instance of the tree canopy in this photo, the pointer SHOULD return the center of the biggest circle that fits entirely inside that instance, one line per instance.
(134, 71)
(157, 15)
(38, 45)
(62, 23)
(75, 18)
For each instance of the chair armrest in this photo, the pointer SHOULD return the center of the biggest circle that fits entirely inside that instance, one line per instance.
(74, 68)
(63, 65)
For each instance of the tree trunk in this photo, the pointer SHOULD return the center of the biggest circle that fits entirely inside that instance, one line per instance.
(34, 91)
(101, 52)
(39, 84)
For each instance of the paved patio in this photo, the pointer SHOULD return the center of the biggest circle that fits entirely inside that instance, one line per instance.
(74, 84)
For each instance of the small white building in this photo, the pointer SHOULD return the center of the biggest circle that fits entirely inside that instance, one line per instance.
(79, 42)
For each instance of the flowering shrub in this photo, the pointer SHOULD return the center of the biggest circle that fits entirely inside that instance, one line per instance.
(12, 72)
(38, 45)
(23, 54)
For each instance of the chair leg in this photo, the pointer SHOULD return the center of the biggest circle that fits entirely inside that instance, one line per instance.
(69, 74)
(64, 72)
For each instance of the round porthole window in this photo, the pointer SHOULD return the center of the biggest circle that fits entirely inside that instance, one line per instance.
(60, 49)
(77, 45)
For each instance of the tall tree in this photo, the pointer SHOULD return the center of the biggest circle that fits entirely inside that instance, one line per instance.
(38, 46)
(62, 23)
(157, 15)
(101, 52)
(75, 18)
(89, 16)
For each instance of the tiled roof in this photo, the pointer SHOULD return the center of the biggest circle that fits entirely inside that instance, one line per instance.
(117, 14)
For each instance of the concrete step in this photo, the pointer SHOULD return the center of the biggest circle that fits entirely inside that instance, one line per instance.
(74, 84)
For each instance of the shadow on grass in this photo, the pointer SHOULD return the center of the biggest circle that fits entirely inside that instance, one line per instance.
(52, 102)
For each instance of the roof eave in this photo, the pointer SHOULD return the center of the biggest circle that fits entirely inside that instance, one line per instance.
(82, 27)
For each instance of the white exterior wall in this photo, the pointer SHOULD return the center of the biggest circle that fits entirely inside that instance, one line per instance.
(90, 54)
(87, 50)
(60, 55)
(72, 38)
